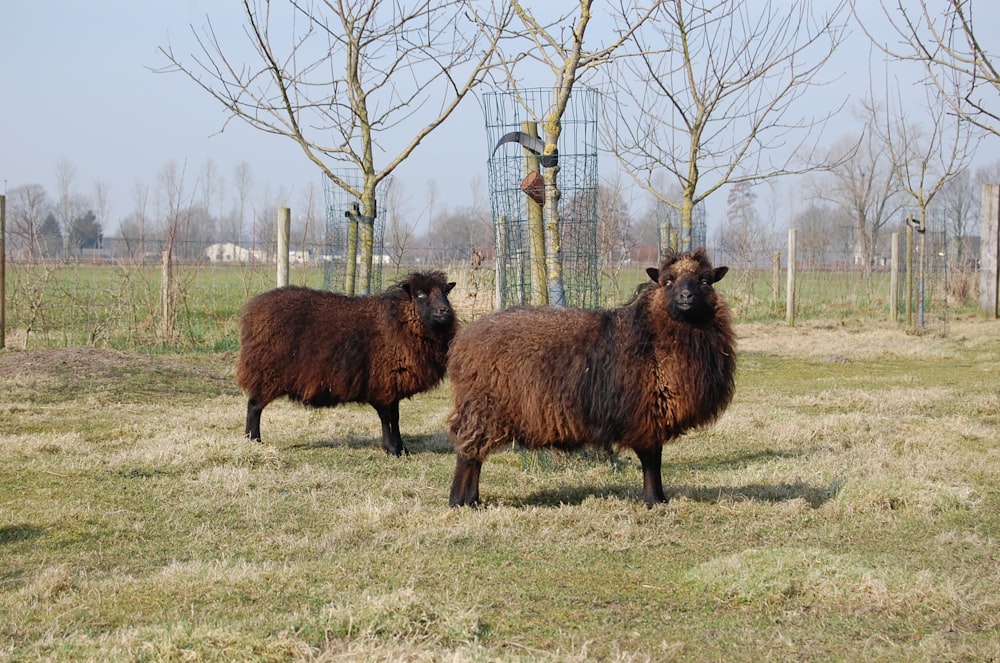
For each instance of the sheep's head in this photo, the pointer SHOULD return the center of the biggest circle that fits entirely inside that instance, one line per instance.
(429, 293)
(687, 281)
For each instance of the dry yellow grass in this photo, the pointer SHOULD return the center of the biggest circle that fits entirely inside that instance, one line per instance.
(844, 508)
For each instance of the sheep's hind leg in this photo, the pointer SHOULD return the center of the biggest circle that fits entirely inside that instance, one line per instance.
(252, 430)
(392, 441)
(465, 485)
(652, 481)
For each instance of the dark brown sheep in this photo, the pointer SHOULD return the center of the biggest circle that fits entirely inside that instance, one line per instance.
(635, 376)
(323, 349)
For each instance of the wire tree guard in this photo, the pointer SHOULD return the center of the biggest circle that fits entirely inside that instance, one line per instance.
(343, 211)
(671, 234)
(517, 195)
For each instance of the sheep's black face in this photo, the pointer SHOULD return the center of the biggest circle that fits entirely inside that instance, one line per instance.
(688, 286)
(431, 303)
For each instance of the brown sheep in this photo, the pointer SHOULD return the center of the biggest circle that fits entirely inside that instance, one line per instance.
(635, 376)
(323, 349)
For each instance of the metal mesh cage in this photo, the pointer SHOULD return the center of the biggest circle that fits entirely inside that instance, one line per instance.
(510, 193)
(339, 205)
(672, 235)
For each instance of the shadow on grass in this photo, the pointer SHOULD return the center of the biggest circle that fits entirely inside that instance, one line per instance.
(729, 461)
(814, 496)
(15, 533)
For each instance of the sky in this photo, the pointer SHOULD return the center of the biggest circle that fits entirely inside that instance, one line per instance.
(79, 88)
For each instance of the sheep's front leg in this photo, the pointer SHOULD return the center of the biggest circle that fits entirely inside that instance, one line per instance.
(252, 430)
(392, 441)
(652, 480)
(465, 485)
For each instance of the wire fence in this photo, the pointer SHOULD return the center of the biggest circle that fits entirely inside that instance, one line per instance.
(116, 301)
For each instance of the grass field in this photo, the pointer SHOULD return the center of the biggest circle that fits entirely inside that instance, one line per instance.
(118, 306)
(845, 508)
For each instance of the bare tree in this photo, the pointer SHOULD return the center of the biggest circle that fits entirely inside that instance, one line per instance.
(863, 188)
(175, 214)
(28, 206)
(818, 227)
(925, 152)
(347, 80)
(564, 55)
(712, 98)
(959, 204)
(64, 183)
(743, 238)
(958, 207)
(243, 180)
(102, 195)
(399, 233)
(135, 227)
(956, 62)
(309, 224)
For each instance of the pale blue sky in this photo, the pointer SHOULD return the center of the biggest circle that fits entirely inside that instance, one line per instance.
(77, 87)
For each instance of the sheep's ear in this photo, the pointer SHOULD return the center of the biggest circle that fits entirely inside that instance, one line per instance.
(406, 289)
(447, 287)
(719, 273)
(654, 274)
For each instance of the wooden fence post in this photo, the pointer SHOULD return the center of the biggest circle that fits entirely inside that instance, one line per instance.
(894, 278)
(989, 252)
(775, 278)
(284, 228)
(500, 228)
(909, 275)
(790, 286)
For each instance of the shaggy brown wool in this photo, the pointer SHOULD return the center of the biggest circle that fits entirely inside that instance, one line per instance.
(635, 376)
(323, 349)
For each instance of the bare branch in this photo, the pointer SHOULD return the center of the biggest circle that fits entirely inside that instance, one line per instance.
(349, 81)
(719, 83)
(955, 62)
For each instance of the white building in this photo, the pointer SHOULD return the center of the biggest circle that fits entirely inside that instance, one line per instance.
(226, 252)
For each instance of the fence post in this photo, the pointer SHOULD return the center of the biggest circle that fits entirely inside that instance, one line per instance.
(500, 228)
(3, 269)
(775, 278)
(989, 252)
(894, 278)
(790, 286)
(284, 229)
(909, 275)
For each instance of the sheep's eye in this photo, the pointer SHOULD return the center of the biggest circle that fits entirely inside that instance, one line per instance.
(421, 294)
(705, 282)
(668, 282)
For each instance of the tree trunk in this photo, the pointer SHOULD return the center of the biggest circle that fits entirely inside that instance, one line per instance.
(536, 227)
(168, 301)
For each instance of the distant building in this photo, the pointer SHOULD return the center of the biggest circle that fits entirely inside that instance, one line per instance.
(227, 252)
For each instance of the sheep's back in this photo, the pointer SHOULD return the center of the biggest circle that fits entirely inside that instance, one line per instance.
(311, 345)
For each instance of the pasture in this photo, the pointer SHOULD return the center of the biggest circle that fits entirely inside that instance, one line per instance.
(844, 508)
(118, 305)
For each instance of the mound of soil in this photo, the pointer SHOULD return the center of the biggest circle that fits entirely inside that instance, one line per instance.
(55, 373)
